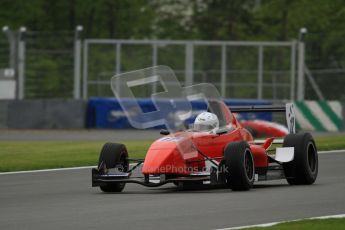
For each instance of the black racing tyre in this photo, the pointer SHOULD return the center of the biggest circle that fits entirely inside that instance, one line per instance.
(239, 166)
(252, 131)
(113, 156)
(303, 169)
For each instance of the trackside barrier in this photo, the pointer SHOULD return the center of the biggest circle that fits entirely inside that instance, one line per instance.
(107, 112)
(42, 114)
(319, 115)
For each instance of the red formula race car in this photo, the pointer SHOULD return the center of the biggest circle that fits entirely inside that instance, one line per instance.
(216, 151)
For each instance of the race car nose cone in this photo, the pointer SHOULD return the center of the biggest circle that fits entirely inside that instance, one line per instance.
(163, 161)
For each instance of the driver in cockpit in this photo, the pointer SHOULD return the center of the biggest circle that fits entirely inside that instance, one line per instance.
(206, 122)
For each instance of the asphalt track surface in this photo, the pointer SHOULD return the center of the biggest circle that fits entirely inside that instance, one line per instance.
(65, 200)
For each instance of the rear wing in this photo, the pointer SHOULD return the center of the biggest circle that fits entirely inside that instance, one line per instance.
(287, 108)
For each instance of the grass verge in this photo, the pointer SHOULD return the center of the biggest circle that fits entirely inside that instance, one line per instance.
(330, 142)
(333, 223)
(30, 155)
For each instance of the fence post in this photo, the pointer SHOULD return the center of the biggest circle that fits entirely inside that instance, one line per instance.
(85, 68)
(189, 64)
(21, 63)
(301, 61)
(118, 58)
(118, 66)
(293, 70)
(154, 63)
(223, 72)
(12, 46)
(260, 71)
(77, 57)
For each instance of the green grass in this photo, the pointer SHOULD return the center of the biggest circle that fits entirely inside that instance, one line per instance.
(334, 224)
(29, 155)
(330, 142)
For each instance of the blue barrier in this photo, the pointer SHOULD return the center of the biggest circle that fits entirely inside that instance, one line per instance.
(106, 113)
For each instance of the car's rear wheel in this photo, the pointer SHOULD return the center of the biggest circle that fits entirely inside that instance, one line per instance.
(239, 166)
(303, 169)
(113, 156)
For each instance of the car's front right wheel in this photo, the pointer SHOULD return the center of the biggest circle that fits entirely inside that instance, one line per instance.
(303, 169)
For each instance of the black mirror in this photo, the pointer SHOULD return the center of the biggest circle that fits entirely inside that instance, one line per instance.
(164, 132)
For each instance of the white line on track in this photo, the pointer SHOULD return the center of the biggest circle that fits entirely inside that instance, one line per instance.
(47, 170)
(280, 222)
(89, 167)
(332, 151)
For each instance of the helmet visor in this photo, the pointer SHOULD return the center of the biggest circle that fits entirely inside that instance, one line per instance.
(203, 127)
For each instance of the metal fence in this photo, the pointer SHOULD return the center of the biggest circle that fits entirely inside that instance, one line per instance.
(4, 51)
(7, 64)
(62, 65)
(263, 70)
(51, 62)
(46, 64)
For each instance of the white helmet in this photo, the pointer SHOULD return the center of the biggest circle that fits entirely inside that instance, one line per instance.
(206, 121)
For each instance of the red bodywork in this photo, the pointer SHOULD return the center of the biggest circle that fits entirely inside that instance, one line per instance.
(262, 128)
(174, 154)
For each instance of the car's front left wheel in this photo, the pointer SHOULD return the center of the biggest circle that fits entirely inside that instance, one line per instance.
(113, 156)
(239, 166)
